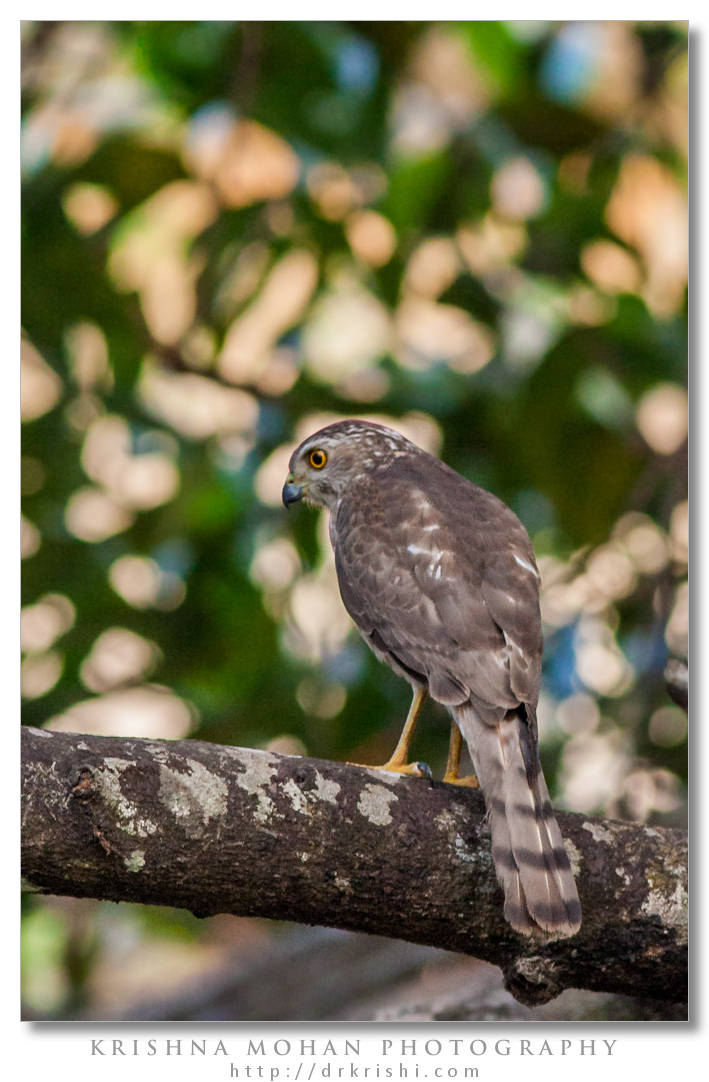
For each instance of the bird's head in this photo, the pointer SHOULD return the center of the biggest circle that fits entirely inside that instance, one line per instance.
(325, 464)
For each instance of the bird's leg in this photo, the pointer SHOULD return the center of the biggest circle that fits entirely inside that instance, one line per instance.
(453, 765)
(398, 763)
(399, 760)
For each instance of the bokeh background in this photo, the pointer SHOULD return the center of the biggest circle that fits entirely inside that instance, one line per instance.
(234, 233)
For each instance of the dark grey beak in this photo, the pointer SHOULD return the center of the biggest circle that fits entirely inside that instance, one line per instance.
(291, 493)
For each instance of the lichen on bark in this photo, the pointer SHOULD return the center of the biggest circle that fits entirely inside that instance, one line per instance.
(215, 829)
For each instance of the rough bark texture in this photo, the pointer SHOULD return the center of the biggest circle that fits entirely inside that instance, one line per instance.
(232, 830)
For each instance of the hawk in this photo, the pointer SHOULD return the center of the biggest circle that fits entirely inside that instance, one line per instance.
(440, 578)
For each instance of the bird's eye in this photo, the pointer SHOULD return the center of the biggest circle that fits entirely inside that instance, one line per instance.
(317, 459)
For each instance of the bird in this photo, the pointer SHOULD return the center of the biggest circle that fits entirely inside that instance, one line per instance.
(440, 578)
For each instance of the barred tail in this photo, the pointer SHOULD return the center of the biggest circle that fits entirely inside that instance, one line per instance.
(527, 847)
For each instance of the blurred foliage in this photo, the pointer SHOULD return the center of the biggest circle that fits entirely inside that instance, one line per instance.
(235, 231)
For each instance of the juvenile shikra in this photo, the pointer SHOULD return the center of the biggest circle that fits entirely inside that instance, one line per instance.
(440, 578)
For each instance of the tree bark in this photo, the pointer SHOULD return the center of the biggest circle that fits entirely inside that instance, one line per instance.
(232, 830)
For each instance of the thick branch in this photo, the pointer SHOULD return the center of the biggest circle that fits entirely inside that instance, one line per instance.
(231, 830)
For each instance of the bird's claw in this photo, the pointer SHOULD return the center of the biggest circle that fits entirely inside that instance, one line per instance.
(417, 770)
(469, 780)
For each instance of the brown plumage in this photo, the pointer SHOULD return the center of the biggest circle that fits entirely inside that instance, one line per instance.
(440, 578)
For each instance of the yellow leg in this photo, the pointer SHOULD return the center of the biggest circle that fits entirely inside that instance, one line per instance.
(453, 765)
(398, 763)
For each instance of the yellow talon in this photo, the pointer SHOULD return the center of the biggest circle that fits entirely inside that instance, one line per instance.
(451, 775)
(395, 768)
(469, 780)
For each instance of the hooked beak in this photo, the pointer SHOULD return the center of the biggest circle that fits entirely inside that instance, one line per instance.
(291, 493)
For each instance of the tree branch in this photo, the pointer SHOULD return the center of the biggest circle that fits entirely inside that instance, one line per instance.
(232, 830)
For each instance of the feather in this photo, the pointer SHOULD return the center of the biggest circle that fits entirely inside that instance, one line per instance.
(440, 578)
(528, 850)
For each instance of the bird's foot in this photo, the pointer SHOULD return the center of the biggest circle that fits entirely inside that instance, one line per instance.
(452, 778)
(417, 770)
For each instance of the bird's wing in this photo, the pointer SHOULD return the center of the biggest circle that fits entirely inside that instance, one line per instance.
(440, 577)
(510, 589)
(378, 579)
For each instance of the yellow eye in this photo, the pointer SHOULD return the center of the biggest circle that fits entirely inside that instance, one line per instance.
(317, 459)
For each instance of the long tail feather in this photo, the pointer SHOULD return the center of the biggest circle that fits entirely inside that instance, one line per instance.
(527, 847)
